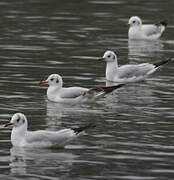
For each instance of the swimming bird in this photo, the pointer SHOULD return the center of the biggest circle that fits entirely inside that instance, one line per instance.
(21, 137)
(137, 30)
(130, 72)
(57, 93)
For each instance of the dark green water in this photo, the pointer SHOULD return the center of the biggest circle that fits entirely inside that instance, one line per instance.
(134, 136)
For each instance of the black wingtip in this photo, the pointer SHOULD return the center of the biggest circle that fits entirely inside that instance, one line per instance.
(164, 23)
(112, 88)
(83, 128)
(162, 62)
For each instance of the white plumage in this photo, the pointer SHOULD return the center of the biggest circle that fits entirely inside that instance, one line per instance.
(137, 30)
(57, 93)
(127, 73)
(21, 137)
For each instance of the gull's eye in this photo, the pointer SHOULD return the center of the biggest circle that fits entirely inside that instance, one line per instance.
(133, 21)
(52, 79)
(109, 56)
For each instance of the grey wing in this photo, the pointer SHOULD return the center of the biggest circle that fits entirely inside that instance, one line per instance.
(72, 92)
(57, 137)
(151, 30)
(129, 71)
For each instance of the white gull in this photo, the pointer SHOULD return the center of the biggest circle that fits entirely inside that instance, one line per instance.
(137, 30)
(129, 72)
(21, 137)
(57, 93)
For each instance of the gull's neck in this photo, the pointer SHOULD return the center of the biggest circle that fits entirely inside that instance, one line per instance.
(52, 91)
(136, 27)
(18, 135)
(111, 70)
(135, 32)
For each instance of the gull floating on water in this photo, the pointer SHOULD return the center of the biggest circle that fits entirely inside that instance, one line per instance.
(149, 31)
(21, 137)
(57, 93)
(129, 72)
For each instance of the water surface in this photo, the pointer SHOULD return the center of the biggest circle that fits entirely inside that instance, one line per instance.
(133, 138)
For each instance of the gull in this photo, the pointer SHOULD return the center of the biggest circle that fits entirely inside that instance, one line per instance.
(149, 31)
(21, 137)
(57, 93)
(130, 72)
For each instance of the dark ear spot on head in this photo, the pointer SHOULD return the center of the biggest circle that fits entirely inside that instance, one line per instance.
(18, 119)
(57, 81)
(23, 121)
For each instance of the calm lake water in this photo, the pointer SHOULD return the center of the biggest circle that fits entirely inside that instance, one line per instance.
(134, 134)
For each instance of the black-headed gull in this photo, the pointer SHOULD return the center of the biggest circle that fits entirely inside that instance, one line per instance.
(57, 93)
(149, 31)
(129, 72)
(21, 137)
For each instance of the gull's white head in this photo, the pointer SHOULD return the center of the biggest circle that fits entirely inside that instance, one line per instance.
(53, 80)
(109, 56)
(134, 21)
(17, 120)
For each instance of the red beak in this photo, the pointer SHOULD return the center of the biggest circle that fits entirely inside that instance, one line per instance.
(126, 25)
(8, 124)
(101, 59)
(43, 82)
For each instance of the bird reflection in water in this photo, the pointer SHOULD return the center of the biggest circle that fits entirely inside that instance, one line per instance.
(24, 160)
(144, 48)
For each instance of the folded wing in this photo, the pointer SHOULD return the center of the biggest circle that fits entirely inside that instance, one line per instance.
(72, 92)
(47, 138)
(129, 71)
(153, 30)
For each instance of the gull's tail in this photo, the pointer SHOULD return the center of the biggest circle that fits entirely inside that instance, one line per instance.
(98, 92)
(109, 89)
(161, 63)
(105, 90)
(83, 128)
(164, 23)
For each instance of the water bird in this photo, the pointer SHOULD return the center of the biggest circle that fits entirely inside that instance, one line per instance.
(137, 30)
(129, 72)
(21, 137)
(57, 93)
